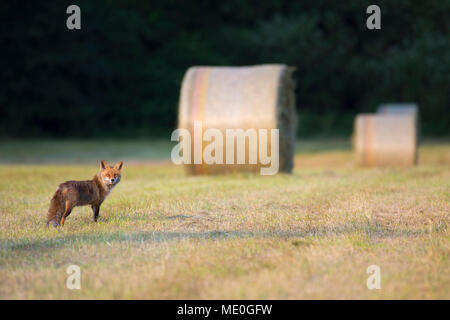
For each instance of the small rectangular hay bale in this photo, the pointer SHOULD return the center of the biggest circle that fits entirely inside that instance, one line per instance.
(403, 109)
(385, 140)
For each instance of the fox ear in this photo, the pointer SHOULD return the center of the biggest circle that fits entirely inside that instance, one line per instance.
(103, 164)
(119, 166)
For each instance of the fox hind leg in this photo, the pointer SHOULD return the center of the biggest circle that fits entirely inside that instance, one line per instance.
(66, 213)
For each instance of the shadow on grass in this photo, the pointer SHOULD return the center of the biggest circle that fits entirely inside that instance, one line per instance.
(137, 237)
(369, 232)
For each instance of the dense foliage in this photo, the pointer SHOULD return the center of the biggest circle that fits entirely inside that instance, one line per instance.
(120, 74)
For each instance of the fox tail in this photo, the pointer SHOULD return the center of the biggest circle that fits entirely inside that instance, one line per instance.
(56, 209)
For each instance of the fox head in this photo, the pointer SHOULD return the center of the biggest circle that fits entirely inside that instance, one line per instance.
(110, 175)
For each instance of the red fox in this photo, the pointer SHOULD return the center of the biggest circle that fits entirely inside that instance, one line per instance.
(93, 192)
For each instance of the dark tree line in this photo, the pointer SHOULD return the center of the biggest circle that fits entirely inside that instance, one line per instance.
(119, 76)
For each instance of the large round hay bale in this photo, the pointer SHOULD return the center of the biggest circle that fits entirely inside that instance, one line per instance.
(385, 140)
(254, 97)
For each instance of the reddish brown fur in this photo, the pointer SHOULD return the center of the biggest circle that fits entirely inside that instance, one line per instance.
(93, 192)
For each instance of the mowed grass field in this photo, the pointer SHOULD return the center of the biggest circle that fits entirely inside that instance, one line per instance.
(165, 235)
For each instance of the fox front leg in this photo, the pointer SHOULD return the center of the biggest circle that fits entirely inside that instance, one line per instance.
(95, 212)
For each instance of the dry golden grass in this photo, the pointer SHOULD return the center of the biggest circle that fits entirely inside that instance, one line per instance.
(162, 235)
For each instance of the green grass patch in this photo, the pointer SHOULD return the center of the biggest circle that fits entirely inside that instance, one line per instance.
(162, 234)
